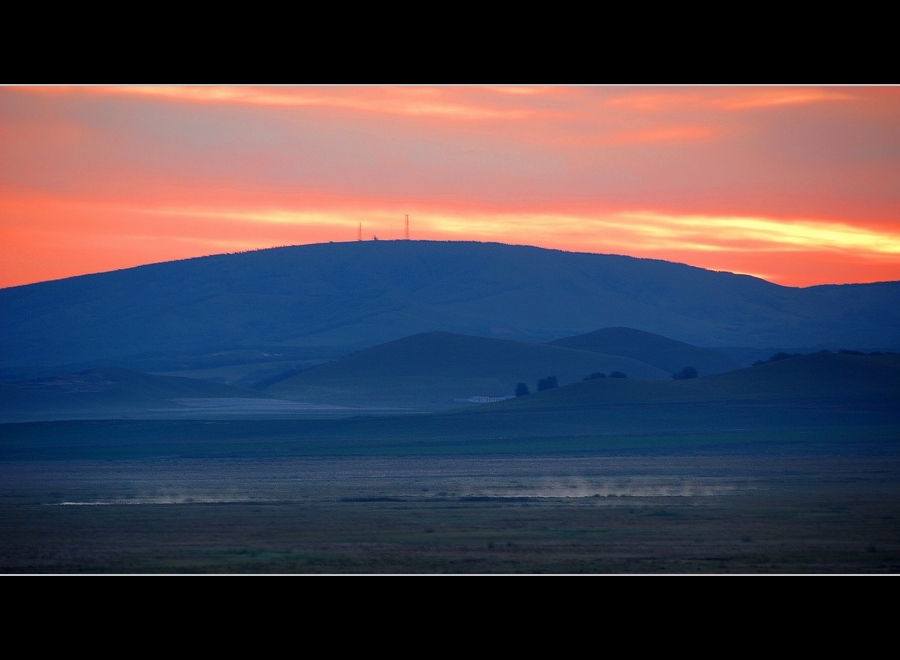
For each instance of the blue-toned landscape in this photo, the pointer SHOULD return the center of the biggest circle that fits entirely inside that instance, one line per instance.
(462, 407)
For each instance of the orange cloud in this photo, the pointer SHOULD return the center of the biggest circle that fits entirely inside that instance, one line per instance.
(444, 103)
(666, 134)
(99, 178)
(678, 99)
(767, 98)
(115, 234)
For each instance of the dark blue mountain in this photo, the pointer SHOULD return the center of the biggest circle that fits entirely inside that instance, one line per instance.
(326, 300)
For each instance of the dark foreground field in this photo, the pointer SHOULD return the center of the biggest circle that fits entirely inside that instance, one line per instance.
(791, 467)
(819, 508)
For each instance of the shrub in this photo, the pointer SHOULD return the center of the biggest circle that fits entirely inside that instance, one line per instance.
(783, 356)
(547, 383)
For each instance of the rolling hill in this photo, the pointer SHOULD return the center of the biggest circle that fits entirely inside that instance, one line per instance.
(110, 392)
(817, 380)
(823, 402)
(806, 399)
(661, 352)
(440, 369)
(322, 301)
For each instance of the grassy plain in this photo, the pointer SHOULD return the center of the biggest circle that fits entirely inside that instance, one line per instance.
(781, 512)
(790, 467)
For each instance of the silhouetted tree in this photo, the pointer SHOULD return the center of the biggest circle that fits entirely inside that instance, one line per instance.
(522, 389)
(594, 375)
(687, 372)
(547, 383)
(783, 356)
(618, 374)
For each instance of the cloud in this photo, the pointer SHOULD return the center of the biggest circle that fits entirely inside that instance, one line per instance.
(444, 103)
(723, 177)
(728, 232)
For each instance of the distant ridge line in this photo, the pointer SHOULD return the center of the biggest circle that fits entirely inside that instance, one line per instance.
(321, 301)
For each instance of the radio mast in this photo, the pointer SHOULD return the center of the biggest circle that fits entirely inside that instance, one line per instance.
(406, 234)
(359, 232)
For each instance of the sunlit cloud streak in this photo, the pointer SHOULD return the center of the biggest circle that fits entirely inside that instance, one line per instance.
(725, 98)
(440, 103)
(705, 232)
(800, 185)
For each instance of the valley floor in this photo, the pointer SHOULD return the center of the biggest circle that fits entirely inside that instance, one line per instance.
(816, 511)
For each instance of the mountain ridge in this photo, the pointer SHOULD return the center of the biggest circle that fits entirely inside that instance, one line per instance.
(325, 300)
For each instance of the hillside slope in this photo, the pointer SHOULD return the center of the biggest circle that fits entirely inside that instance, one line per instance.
(438, 369)
(661, 352)
(818, 403)
(818, 380)
(107, 392)
(321, 301)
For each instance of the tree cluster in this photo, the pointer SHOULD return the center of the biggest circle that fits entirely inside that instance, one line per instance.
(547, 383)
(687, 372)
(843, 351)
(597, 374)
(778, 356)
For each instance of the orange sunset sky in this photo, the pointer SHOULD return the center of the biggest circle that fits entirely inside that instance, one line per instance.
(797, 185)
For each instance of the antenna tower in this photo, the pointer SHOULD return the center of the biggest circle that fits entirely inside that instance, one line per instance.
(406, 233)
(359, 232)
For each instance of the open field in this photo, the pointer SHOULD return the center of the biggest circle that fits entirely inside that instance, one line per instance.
(787, 467)
(820, 508)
